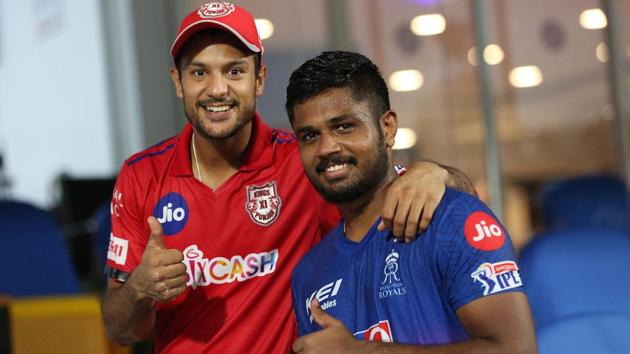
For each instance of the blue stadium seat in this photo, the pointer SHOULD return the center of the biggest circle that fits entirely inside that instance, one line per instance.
(581, 264)
(33, 257)
(102, 228)
(588, 334)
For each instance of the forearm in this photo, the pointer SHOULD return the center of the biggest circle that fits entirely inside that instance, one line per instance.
(458, 180)
(127, 319)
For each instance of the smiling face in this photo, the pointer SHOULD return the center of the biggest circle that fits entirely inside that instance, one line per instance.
(344, 149)
(218, 83)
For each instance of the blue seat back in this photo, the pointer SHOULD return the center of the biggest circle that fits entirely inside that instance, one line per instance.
(34, 257)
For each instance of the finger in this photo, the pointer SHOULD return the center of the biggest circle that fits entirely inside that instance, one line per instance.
(389, 208)
(321, 317)
(173, 271)
(298, 345)
(413, 220)
(427, 215)
(400, 219)
(173, 283)
(157, 233)
(171, 256)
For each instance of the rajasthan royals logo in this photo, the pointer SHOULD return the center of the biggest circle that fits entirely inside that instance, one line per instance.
(215, 9)
(263, 203)
(391, 268)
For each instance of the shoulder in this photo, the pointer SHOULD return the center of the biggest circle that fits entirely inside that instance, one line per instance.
(456, 206)
(156, 154)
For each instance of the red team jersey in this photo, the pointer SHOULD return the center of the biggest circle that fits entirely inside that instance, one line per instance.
(240, 241)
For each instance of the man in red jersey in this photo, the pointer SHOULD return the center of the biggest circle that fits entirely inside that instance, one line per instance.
(207, 225)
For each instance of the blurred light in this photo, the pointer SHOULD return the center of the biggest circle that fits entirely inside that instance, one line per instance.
(525, 76)
(493, 55)
(593, 19)
(428, 25)
(405, 138)
(601, 52)
(472, 56)
(264, 27)
(406, 80)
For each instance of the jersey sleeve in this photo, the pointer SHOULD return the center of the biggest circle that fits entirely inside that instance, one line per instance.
(129, 231)
(475, 255)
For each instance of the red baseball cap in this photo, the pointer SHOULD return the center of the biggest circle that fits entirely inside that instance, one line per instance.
(223, 15)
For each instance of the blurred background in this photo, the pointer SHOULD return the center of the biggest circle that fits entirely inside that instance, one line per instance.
(538, 119)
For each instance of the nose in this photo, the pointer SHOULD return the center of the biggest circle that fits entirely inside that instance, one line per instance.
(328, 145)
(216, 86)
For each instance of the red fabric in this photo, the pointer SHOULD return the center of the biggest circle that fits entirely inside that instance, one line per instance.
(240, 300)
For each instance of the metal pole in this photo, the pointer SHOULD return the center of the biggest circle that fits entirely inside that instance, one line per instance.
(493, 162)
(617, 85)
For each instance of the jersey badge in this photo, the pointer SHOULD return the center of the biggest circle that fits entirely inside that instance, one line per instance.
(215, 9)
(117, 250)
(392, 284)
(116, 204)
(172, 212)
(484, 232)
(263, 203)
(496, 277)
(380, 332)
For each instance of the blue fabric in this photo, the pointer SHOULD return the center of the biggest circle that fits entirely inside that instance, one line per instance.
(592, 334)
(407, 293)
(33, 257)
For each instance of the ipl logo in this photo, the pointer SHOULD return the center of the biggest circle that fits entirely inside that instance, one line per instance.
(496, 277)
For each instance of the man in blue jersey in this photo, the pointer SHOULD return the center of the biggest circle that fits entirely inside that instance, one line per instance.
(455, 289)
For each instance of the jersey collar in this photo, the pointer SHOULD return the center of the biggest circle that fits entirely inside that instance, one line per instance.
(259, 155)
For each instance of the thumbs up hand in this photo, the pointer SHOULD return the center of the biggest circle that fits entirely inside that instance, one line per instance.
(333, 338)
(161, 275)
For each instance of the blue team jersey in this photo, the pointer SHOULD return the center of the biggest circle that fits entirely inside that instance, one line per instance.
(408, 293)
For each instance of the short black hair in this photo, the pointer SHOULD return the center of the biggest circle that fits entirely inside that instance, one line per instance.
(214, 31)
(338, 69)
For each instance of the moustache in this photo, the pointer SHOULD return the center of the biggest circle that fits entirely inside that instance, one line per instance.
(335, 160)
(224, 101)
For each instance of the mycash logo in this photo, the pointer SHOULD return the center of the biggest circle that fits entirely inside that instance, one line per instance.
(172, 212)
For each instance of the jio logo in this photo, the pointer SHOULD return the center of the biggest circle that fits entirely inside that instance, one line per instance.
(172, 212)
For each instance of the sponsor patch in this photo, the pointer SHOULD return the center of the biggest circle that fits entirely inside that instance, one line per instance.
(324, 295)
(172, 212)
(116, 204)
(221, 270)
(484, 232)
(380, 332)
(496, 277)
(263, 203)
(117, 250)
(215, 9)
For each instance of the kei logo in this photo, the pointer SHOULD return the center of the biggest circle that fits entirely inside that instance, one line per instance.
(380, 332)
(172, 212)
(263, 203)
(215, 9)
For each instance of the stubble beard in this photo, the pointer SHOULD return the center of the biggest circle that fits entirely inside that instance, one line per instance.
(197, 121)
(375, 172)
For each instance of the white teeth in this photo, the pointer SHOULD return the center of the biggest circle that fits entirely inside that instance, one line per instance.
(335, 168)
(214, 109)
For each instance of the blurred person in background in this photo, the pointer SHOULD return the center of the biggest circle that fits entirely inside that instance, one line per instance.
(455, 289)
(207, 225)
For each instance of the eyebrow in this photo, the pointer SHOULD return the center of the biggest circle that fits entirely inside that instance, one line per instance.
(230, 63)
(331, 121)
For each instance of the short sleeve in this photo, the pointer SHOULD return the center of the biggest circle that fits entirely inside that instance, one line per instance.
(474, 253)
(129, 231)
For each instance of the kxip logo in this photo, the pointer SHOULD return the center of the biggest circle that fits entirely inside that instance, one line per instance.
(172, 212)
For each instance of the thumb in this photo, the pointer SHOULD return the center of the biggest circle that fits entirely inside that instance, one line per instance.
(157, 233)
(381, 225)
(321, 317)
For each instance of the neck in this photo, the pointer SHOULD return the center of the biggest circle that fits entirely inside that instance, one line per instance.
(360, 214)
(218, 159)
